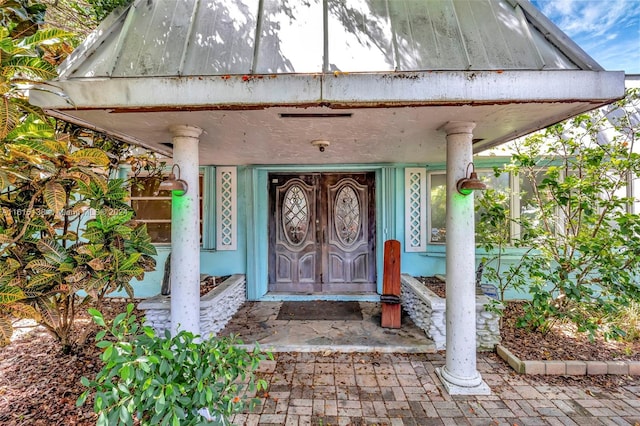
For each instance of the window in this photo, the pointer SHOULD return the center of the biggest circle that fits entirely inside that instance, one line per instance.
(154, 208)
(438, 199)
(438, 207)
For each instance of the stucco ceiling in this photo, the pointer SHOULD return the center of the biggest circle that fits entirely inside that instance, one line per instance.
(356, 135)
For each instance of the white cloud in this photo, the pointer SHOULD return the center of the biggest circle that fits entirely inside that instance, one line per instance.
(595, 17)
(609, 30)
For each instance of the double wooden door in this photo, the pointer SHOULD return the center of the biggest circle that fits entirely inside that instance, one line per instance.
(322, 233)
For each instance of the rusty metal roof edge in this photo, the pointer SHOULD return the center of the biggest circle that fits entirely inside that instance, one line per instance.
(408, 88)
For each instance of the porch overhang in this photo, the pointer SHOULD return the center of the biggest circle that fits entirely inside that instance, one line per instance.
(369, 117)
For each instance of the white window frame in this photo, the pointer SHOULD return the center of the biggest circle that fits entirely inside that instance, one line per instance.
(202, 200)
(514, 201)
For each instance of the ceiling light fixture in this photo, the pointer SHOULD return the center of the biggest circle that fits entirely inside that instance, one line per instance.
(321, 144)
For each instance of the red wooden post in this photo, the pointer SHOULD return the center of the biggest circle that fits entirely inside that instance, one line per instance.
(391, 308)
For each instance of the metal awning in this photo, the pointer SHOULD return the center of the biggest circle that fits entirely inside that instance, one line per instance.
(377, 78)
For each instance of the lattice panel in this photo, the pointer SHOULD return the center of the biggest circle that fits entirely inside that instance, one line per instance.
(226, 208)
(415, 209)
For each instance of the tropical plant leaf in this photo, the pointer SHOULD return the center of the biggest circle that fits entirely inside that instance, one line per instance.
(76, 277)
(17, 152)
(9, 116)
(123, 230)
(97, 179)
(148, 263)
(12, 265)
(35, 144)
(6, 330)
(93, 233)
(97, 283)
(25, 107)
(46, 36)
(55, 196)
(125, 275)
(56, 252)
(18, 280)
(48, 311)
(4, 180)
(66, 267)
(40, 265)
(30, 66)
(31, 132)
(5, 239)
(96, 264)
(6, 43)
(42, 281)
(23, 310)
(84, 182)
(87, 249)
(90, 157)
(117, 189)
(129, 289)
(117, 220)
(9, 295)
(130, 261)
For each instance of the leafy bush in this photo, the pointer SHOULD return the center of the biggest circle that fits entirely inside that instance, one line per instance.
(52, 176)
(580, 241)
(180, 380)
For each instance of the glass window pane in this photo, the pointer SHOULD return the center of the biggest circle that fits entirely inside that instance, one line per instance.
(437, 207)
(147, 187)
(159, 232)
(438, 194)
(150, 207)
(498, 191)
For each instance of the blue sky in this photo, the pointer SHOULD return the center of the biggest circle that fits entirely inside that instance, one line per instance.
(608, 30)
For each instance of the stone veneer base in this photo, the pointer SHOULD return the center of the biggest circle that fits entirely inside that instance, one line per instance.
(216, 307)
(428, 311)
(568, 368)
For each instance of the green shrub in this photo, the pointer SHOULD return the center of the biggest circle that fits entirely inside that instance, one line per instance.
(171, 380)
(579, 235)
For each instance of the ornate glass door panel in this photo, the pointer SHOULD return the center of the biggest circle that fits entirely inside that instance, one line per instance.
(294, 252)
(322, 233)
(349, 261)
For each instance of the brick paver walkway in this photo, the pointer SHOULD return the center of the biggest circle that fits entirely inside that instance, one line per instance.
(403, 389)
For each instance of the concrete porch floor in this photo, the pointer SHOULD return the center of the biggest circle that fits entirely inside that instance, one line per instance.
(255, 322)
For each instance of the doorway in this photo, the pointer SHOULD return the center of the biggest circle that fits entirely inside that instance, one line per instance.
(322, 233)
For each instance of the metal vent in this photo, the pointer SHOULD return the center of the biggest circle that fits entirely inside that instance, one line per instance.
(315, 115)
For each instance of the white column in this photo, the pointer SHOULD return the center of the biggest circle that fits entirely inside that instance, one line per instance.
(459, 375)
(185, 234)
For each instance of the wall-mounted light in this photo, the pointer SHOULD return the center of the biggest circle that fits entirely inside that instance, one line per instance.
(173, 184)
(467, 185)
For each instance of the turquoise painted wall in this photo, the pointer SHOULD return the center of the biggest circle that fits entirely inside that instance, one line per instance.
(250, 258)
(212, 262)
